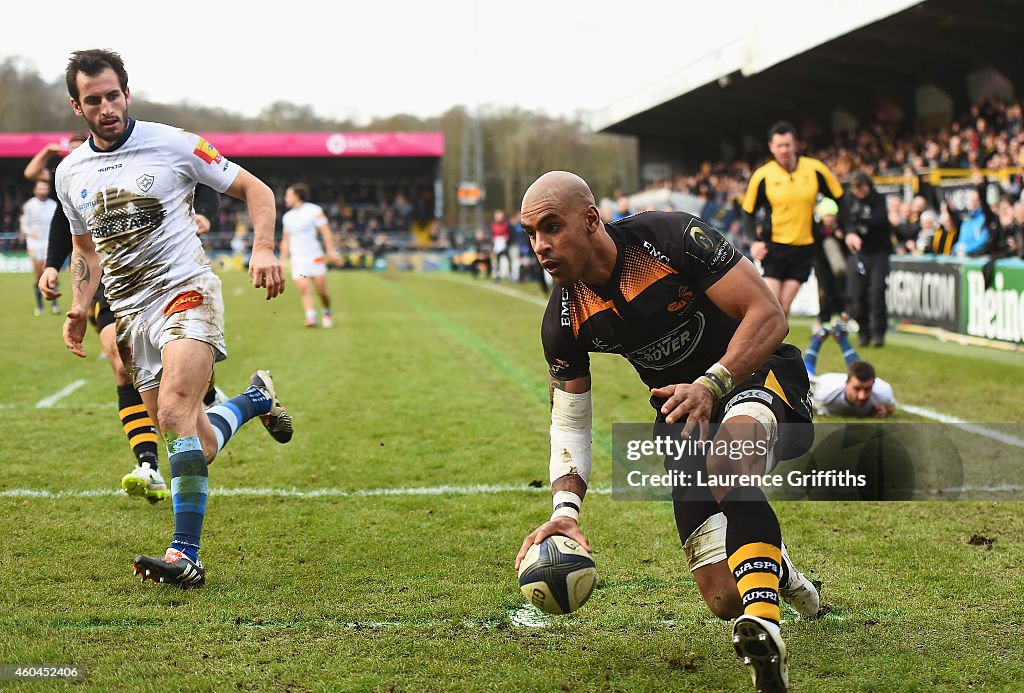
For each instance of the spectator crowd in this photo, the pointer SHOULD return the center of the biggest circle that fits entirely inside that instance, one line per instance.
(979, 212)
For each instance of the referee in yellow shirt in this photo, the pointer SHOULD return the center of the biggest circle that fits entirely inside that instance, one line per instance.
(789, 186)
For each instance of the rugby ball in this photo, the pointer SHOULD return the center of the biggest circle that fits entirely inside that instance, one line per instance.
(557, 575)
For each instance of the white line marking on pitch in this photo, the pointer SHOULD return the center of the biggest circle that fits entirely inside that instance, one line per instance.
(479, 490)
(475, 490)
(497, 288)
(47, 402)
(529, 616)
(1005, 438)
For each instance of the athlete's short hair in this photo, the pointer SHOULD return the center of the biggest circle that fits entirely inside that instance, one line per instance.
(79, 137)
(302, 190)
(783, 127)
(92, 62)
(862, 371)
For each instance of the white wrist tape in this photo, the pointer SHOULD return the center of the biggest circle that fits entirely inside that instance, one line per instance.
(567, 504)
(571, 422)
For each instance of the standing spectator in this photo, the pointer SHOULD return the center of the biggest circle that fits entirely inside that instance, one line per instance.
(788, 186)
(829, 262)
(623, 211)
(36, 214)
(869, 240)
(500, 234)
(1002, 241)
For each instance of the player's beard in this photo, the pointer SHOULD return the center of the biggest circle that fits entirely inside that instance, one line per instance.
(106, 136)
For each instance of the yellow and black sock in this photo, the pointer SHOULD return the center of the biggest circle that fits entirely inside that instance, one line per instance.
(753, 542)
(137, 425)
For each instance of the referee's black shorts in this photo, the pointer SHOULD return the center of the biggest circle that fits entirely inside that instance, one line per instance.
(788, 262)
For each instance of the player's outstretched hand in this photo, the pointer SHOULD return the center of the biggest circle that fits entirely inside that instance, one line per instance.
(265, 271)
(74, 331)
(566, 526)
(694, 402)
(48, 284)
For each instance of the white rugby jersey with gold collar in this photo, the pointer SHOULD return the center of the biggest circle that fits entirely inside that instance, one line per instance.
(135, 199)
(300, 225)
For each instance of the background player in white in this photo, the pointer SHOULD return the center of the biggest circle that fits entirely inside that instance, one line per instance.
(301, 223)
(36, 214)
(858, 392)
(127, 193)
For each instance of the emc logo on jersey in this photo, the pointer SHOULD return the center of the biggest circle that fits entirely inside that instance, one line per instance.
(145, 182)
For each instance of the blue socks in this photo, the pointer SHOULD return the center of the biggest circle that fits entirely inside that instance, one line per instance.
(849, 353)
(811, 355)
(190, 481)
(189, 488)
(228, 417)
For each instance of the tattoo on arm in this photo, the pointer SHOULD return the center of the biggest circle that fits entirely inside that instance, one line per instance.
(80, 273)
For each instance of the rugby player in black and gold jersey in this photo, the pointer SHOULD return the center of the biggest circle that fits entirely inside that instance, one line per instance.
(788, 186)
(704, 333)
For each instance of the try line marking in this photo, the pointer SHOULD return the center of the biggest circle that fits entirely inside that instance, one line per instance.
(47, 402)
(474, 490)
(977, 429)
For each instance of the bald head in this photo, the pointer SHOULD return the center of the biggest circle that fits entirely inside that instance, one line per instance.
(564, 227)
(567, 189)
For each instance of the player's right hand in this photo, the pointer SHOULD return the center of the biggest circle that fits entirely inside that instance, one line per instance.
(758, 250)
(853, 242)
(74, 331)
(265, 271)
(566, 526)
(48, 284)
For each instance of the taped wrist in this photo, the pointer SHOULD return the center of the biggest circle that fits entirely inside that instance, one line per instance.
(571, 431)
(718, 380)
(567, 504)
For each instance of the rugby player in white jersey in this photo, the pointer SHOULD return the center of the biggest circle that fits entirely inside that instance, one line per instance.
(35, 227)
(301, 223)
(127, 193)
(858, 392)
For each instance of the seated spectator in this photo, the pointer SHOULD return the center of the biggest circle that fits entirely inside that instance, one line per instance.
(944, 236)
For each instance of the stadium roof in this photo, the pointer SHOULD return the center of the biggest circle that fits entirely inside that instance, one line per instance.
(836, 54)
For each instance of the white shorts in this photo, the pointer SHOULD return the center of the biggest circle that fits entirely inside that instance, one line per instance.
(194, 310)
(308, 267)
(36, 248)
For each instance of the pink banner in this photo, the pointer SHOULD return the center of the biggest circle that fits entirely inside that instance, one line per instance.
(241, 145)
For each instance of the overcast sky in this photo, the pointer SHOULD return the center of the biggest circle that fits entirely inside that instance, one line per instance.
(380, 57)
